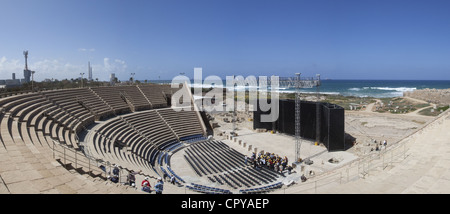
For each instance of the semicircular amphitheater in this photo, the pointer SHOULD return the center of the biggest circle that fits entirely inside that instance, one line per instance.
(67, 141)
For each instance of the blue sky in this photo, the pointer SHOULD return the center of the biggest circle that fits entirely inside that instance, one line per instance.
(339, 39)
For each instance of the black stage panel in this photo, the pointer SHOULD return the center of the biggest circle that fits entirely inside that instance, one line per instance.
(336, 130)
(257, 119)
(331, 117)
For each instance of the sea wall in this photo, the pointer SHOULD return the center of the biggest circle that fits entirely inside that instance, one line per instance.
(437, 96)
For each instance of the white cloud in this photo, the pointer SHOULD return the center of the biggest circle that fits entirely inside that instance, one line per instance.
(116, 66)
(9, 66)
(85, 49)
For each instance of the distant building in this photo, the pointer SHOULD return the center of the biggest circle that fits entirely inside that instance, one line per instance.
(112, 79)
(13, 83)
(26, 71)
(27, 76)
(10, 83)
(89, 72)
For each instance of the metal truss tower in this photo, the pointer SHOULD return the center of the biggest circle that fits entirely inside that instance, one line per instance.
(298, 139)
(318, 127)
(298, 83)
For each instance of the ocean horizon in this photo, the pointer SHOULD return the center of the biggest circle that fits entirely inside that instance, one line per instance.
(357, 88)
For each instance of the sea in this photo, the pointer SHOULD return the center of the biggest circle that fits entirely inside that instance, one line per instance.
(358, 88)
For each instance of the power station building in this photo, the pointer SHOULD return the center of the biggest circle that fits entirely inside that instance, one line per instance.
(12, 83)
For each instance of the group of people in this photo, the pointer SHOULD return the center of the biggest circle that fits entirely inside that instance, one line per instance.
(269, 160)
(379, 146)
(146, 187)
(131, 180)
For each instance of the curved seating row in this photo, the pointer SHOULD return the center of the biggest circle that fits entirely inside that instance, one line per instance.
(24, 114)
(263, 189)
(112, 98)
(143, 134)
(135, 96)
(183, 123)
(207, 190)
(108, 143)
(155, 95)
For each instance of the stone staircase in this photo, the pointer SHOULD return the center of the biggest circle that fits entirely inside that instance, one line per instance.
(34, 171)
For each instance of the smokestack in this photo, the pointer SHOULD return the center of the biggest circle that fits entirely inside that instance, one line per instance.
(26, 72)
(89, 71)
(26, 59)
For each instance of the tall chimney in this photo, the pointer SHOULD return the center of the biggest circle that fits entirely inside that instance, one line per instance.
(26, 59)
(89, 71)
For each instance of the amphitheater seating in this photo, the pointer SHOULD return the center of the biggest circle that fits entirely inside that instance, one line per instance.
(193, 138)
(207, 190)
(135, 96)
(71, 113)
(108, 144)
(145, 139)
(113, 99)
(24, 146)
(155, 95)
(263, 189)
(150, 125)
(183, 123)
(80, 97)
(144, 134)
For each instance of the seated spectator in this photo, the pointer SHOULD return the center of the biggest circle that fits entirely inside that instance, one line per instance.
(303, 178)
(159, 186)
(146, 187)
(113, 178)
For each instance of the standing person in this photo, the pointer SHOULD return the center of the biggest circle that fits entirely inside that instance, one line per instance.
(172, 179)
(159, 186)
(116, 170)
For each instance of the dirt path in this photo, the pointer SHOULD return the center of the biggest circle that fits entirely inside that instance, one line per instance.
(370, 106)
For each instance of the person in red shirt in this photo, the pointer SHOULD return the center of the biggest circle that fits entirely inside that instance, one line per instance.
(146, 185)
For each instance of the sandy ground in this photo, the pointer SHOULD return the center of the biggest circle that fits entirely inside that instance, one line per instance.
(365, 126)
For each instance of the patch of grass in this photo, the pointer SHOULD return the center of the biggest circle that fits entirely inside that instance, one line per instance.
(433, 112)
(419, 122)
(399, 105)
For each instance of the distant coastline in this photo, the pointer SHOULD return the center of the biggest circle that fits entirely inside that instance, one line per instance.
(357, 88)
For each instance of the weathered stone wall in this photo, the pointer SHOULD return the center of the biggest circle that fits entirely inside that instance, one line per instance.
(437, 96)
